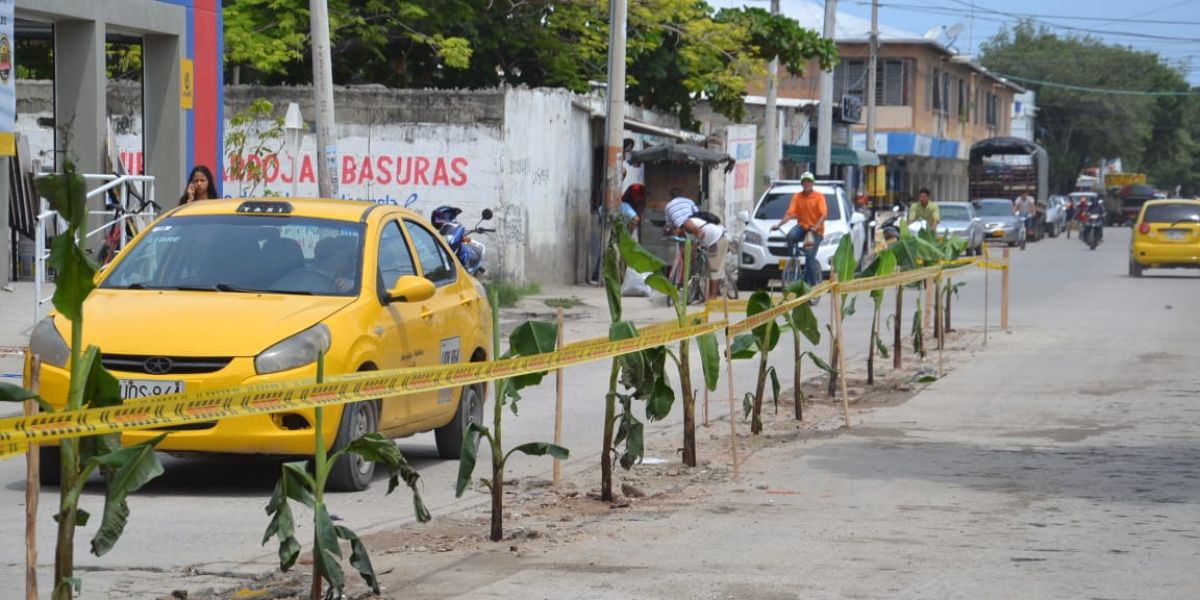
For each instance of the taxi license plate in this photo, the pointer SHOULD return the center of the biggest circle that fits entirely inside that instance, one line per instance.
(1176, 236)
(142, 388)
(997, 233)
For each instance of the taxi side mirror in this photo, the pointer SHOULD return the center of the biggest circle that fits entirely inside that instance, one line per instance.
(410, 288)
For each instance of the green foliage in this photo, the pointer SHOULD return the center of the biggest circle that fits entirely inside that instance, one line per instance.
(509, 293)
(132, 468)
(252, 139)
(1156, 135)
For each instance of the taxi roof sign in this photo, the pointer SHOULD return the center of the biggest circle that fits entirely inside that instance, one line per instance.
(264, 207)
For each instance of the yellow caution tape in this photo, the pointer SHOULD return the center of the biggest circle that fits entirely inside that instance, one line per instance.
(178, 409)
(775, 311)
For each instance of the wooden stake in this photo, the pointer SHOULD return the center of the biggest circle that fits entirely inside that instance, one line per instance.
(987, 275)
(32, 486)
(705, 384)
(837, 343)
(940, 322)
(898, 337)
(733, 445)
(558, 404)
(928, 305)
(1004, 290)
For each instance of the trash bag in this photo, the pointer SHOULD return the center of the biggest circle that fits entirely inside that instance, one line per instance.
(634, 284)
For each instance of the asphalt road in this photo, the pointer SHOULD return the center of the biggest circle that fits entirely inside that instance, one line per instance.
(201, 522)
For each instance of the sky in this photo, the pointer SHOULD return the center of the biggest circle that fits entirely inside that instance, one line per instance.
(1169, 27)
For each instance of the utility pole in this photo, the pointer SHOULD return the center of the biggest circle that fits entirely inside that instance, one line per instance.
(615, 119)
(327, 154)
(871, 70)
(770, 123)
(825, 110)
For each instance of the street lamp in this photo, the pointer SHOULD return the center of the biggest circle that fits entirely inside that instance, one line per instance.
(293, 127)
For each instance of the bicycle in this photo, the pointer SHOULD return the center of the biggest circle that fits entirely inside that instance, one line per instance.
(126, 223)
(696, 291)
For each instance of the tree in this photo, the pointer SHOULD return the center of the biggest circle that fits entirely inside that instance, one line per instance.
(1077, 126)
(678, 50)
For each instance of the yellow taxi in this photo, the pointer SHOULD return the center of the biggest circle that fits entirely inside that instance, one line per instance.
(224, 293)
(1166, 235)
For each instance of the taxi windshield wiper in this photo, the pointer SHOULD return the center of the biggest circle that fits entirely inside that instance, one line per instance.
(225, 287)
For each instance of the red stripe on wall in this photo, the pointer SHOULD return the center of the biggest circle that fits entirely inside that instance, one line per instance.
(207, 59)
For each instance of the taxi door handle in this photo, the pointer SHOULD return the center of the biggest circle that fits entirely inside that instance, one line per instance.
(426, 313)
(465, 300)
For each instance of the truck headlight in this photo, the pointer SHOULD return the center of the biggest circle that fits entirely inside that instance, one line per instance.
(296, 351)
(752, 238)
(48, 344)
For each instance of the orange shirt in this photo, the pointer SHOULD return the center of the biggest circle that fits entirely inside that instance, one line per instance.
(808, 208)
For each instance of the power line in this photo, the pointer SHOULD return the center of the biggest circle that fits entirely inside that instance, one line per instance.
(1084, 88)
(1037, 16)
(1070, 27)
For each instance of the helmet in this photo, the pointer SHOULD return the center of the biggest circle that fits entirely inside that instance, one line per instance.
(442, 215)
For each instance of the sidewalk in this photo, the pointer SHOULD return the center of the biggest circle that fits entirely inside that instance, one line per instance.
(16, 306)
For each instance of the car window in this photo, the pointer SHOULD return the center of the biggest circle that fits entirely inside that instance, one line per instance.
(775, 204)
(395, 259)
(1172, 213)
(240, 253)
(954, 213)
(995, 209)
(435, 260)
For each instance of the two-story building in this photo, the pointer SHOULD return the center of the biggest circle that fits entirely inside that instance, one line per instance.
(932, 104)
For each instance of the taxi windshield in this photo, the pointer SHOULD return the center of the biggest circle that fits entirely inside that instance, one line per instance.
(238, 253)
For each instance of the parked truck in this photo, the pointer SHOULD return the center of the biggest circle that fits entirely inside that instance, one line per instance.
(1007, 167)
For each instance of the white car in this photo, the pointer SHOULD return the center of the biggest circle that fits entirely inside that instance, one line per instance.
(764, 252)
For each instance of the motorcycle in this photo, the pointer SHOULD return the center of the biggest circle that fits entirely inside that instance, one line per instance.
(470, 251)
(1093, 230)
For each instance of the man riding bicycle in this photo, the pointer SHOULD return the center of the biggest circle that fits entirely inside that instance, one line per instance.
(681, 216)
(809, 210)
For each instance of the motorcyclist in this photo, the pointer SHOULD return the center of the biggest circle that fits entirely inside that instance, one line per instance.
(1095, 208)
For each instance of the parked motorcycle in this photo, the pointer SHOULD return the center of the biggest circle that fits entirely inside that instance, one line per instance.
(1093, 230)
(470, 251)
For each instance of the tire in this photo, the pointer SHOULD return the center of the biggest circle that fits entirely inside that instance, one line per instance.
(470, 409)
(1024, 240)
(351, 472)
(1135, 270)
(50, 465)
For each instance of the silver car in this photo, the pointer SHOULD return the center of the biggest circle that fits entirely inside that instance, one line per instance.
(959, 220)
(1056, 215)
(1000, 221)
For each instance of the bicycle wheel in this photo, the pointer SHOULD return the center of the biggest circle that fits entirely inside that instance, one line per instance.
(793, 272)
(697, 290)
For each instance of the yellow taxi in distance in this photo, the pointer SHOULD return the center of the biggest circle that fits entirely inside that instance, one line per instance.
(225, 293)
(1166, 235)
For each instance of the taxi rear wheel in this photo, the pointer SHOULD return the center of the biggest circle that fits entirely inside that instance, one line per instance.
(50, 465)
(470, 410)
(352, 472)
(1135, 270)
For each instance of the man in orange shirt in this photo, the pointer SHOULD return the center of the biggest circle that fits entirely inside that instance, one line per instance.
(808, 208)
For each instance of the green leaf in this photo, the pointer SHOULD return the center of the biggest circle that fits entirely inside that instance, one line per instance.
(848, 309)
(662, 398)
(541, 449)
(67, 194)
(16, 393)
(747, 404)
(467, 457)
(132, 467)
(327, 553)
(806, 321)
(710, 359)
(885, 264)
(377, 448)
(744, 346)
(916, 329)
(843, 259)
(638, 258)
(75, 276)
(533, 337)
(881, 347)
(774, 386)
(631, 432)
(661, 284)
(612, 281)
(359, 559)
(798, 289)
(294, 483)
(767, 334)
(820, 363)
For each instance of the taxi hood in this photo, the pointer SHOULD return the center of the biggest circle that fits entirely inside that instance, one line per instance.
(186, 323)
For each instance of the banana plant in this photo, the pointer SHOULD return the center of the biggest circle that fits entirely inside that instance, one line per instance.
(125, 470)
(298, 485)
(845, 266)
(802, 321)
(884, 264)
(643, 372)
(528, 339)
(760, 341)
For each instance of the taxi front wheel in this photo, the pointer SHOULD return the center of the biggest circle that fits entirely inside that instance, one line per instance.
(351, 472)
(470, 410)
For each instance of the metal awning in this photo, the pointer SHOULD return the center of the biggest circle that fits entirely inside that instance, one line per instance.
(682, 153)
(838, 156)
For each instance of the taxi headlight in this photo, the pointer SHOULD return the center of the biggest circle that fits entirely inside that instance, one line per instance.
(832, 239)
(48, 344)
(752, 238)
(296, 351)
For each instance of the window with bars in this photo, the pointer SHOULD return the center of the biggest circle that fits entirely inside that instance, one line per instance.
(993, 112)
(939, 87)
(891, 81)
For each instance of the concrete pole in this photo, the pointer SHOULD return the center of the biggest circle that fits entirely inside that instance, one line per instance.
(771, 123)
(615, 119)
(871, 69)
(825, 110)
(327, 155)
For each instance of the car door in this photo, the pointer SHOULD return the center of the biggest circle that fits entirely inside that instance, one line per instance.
(854, 220)
(442, 313)
(405, 338)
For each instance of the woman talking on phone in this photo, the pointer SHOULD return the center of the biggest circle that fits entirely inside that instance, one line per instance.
(200, 186)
